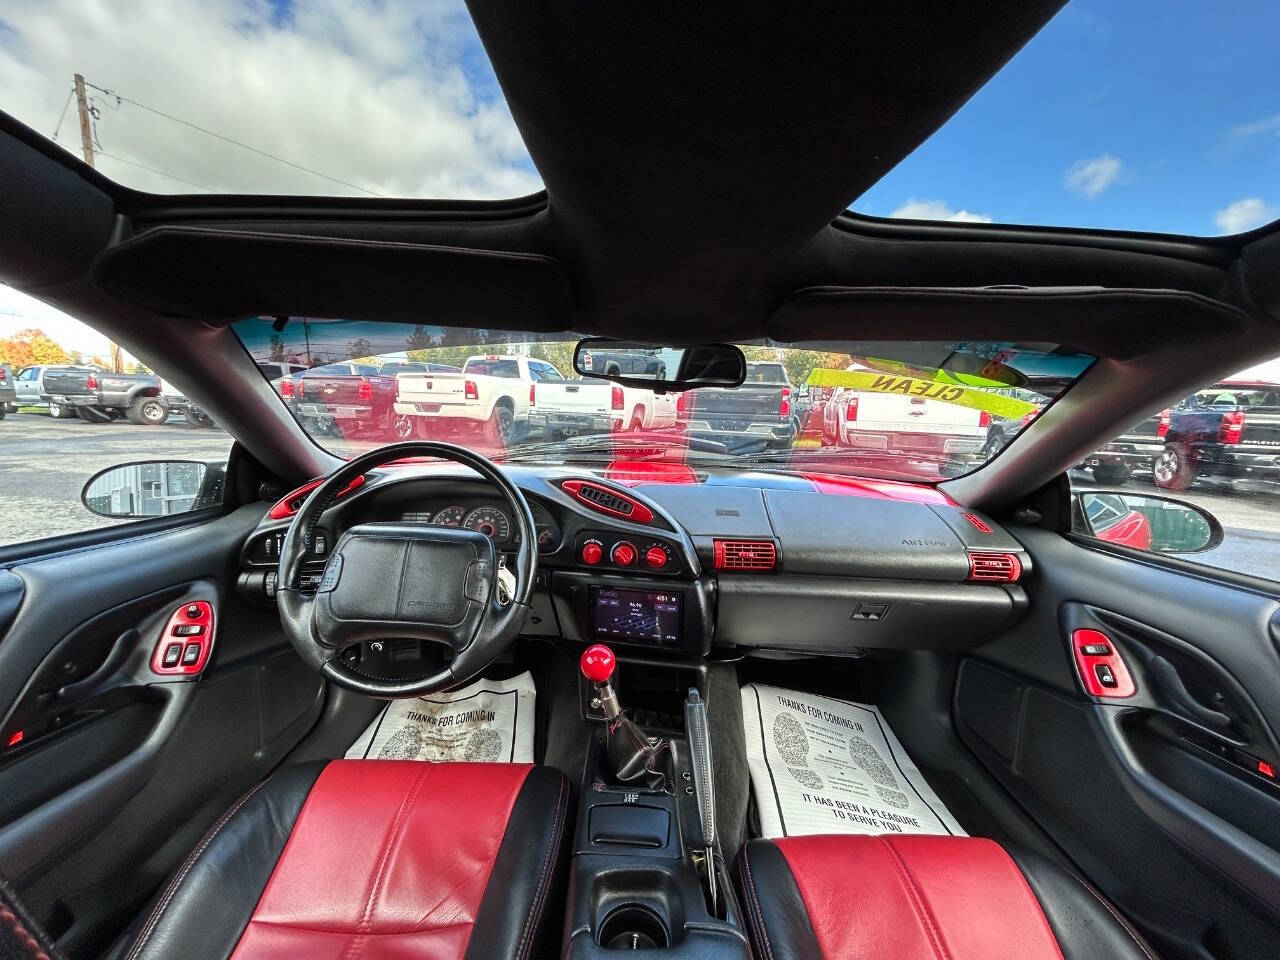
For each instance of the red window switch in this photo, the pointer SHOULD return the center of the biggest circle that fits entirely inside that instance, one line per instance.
(1102, 670)
(186, 643)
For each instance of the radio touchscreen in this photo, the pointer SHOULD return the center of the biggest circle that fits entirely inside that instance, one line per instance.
(651, 616)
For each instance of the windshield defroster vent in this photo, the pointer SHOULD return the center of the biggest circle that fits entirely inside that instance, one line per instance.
(745, 556)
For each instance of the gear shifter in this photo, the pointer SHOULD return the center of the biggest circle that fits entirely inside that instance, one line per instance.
(633, 757)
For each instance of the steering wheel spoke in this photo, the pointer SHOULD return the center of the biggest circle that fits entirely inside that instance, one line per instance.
(394, 581)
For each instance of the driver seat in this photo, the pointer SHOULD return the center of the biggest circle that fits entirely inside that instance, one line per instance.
(371, 859)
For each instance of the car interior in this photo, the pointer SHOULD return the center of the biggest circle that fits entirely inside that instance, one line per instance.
(218, 724)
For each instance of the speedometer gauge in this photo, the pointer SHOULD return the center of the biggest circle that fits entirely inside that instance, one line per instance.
(449, 517)
(490, 521)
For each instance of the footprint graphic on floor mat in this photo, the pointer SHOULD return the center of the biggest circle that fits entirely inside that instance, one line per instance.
(483, 746)
(405, 744)
(807, 777)
(868, 758)
(790, 739)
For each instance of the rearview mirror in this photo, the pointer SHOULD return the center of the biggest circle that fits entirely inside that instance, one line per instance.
(153, 488)
(1145, 522)
(661, 368)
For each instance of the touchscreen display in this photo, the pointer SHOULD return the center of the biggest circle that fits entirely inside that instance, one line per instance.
(650, 615)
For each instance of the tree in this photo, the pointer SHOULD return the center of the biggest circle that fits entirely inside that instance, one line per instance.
(31, 346)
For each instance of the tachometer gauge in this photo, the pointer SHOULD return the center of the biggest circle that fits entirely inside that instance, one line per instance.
(490, 521)
(449, 517)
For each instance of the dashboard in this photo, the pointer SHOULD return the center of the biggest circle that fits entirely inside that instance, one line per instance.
(763, 562)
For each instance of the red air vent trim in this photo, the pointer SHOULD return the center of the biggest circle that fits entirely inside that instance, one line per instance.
(994, 567)
(607, 500)
(292, 501)
(978, 522)
(745, 555)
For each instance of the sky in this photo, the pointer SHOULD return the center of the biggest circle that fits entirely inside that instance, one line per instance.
(1156, 115)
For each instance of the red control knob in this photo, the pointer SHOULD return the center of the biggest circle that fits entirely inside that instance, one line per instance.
(624, 554)
(598, 663)
(592, 553)
(655, 557)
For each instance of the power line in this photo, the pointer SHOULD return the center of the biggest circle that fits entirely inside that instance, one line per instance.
(63, 115)
(245, 146)
(160, 173)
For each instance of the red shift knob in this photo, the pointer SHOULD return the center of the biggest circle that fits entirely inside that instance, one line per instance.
(598, 663)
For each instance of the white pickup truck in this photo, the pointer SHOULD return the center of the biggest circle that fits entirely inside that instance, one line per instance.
(902, 425)
(599, 406)
(493, 392)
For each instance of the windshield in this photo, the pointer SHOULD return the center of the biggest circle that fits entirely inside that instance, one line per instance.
(911, 410)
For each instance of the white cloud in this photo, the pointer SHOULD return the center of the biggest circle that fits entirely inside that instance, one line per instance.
(1093, 175)
(1245, 214)
(1269, 124)
(915, 209)
(394, 97)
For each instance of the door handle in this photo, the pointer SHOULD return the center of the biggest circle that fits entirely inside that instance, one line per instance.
(1171, 685)
(115, 660)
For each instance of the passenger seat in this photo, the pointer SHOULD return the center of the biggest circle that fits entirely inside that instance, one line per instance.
(923, 898)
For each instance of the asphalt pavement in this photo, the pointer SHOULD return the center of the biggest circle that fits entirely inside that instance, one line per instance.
(45, 463)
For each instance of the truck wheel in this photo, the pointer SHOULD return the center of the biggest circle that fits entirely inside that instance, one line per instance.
(1173, 469)
(93, 415)
(59, 412)
(406, 427)
(501, 426)
(148, 411)
(4, 408)
(10, 408)
(198, 418)
(1111, 473)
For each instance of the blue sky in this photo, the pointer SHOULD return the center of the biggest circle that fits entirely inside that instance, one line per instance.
(1168, 111)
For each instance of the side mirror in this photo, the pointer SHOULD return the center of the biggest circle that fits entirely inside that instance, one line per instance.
(1147, 522)
(153, 488)
(647, 366)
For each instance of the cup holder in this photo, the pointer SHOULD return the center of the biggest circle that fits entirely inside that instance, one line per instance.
(633, 927)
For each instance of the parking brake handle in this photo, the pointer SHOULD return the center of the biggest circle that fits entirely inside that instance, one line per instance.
(696, 730)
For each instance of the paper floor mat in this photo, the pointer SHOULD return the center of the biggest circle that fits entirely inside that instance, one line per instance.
(486, 721)
(820, 765)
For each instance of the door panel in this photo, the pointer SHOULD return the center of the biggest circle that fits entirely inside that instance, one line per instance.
(117, 770)
(1157, 797)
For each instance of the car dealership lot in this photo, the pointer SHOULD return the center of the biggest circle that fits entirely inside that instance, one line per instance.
(45, 463)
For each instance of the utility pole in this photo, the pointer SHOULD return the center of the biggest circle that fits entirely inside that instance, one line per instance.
(82, 104)
(86, 144)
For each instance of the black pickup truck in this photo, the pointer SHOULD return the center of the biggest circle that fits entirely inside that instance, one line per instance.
(99, 397)
(349, 397)
(1231, 430)
(754, 416)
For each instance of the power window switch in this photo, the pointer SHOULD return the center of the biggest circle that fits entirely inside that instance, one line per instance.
(188, 629)
(172, 654)
(190, 654)
(1096, 650)
(1105, 676)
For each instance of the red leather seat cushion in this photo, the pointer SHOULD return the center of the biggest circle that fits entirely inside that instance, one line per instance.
(387, 860)
(917, 898)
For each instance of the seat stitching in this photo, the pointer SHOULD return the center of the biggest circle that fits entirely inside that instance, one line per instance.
(23, 934)
(764, 931)
(397, 825)
(172, 889)
(1133, 934)
(752, 923)
(532, 920)
(917, 901)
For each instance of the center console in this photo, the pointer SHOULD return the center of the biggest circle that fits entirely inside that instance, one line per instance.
(659, 614)
(644, 878)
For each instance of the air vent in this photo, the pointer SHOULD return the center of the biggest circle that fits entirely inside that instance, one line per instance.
(745, 555)
(994, 567)
(608, 501)
(979, 524)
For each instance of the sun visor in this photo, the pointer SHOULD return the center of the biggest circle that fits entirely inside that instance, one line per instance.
(1102, 321)
(222, 276)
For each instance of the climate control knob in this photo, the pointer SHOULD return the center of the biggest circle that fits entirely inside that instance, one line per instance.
(592, 553)
(656, 557)
(623, 554)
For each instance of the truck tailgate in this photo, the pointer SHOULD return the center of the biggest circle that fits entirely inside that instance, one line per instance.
(1261, 427)
(747, 402)
(332, 389)
(887, 412)
(586, 397)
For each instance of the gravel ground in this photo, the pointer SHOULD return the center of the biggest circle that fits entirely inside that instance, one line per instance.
(45, 463)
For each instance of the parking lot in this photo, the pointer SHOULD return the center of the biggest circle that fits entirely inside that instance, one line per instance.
(45, 463)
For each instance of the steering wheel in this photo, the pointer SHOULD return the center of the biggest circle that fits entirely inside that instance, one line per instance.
(387, 581)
